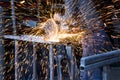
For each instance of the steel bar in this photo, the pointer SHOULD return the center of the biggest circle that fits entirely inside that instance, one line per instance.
(73, 72)
(51, 62)
(100, 60)
(16, 60)
(1, 47)
(34, 62)
(29, 38)
(70, 62)
(15, 41)
(59, 72)
(105, 72)
(60, 54)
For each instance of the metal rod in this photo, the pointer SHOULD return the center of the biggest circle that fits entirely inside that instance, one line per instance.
(29, 38)
(100, 60)
(13, 17)
(16, 60)
(15, 41)
(59, 58)
(34, 62)
(70, 61)
(1, 47)
(51, 61)
(105, 72)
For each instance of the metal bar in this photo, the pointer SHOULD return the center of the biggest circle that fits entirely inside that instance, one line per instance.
(101, 57)
(60, 54)
(59, 67)
(34, 62)
(100, 64)
(1, 47)
(105, 72)
(70, 61)
(15, 41)
(51, 61)
(59, 58)
(29, 38)
(13, 17)
(73, 72)
(100, 60)
(16, 60)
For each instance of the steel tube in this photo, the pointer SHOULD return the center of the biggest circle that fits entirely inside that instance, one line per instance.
(1, 47)
(70, 62)
(100, 60)
(59, 72)
(29, 38)
(16, 60)
(15, 41)
(105, 72)
(51, 61)
(34, 62)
